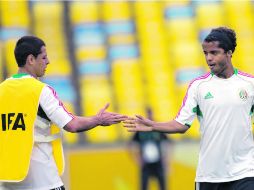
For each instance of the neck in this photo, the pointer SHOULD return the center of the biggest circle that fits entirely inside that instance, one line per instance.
(24, 70)
(227, 72)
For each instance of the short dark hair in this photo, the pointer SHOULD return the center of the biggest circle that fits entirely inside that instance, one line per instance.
(25, 46)
(225, 36)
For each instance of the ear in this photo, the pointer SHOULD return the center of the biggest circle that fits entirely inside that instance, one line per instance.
(30, 59)
(229, 53)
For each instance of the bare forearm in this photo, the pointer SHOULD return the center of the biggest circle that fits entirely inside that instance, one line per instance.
(169, 127)
(103, 118)
(80, 124)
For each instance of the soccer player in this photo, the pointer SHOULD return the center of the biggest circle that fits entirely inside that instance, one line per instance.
(223, 101)
(30, 154)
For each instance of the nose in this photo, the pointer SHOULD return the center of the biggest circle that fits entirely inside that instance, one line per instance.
(209, 57)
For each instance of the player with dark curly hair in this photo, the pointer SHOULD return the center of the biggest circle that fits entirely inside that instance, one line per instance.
(223, 101)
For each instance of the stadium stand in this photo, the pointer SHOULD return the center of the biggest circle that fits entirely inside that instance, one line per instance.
(241, 19)
(93, 67)
(123, 53)
(12, 27)
(133, 54)
(155, 60)
(185, 51)
(1, 63)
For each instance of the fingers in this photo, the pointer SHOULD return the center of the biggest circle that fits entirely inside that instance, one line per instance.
(129, 125)
(139, 117)
(112, 118)
(136, 128)
(129, 121)
(118, 116)
(105, 107)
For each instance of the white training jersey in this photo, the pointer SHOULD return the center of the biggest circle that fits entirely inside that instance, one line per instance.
(224, 108)
(43, 173)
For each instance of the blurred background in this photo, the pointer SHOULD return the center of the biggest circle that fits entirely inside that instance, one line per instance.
(133, 54)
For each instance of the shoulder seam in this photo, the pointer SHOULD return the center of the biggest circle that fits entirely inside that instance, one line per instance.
(245, 74)
(200, 78)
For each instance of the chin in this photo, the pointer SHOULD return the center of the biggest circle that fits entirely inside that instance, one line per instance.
(40, 75)
(216, 72)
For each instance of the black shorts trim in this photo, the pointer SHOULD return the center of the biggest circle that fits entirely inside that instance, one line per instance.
(59, 188)
(243, 184)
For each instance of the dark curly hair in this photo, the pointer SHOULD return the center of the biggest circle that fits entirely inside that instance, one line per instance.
(225, 36)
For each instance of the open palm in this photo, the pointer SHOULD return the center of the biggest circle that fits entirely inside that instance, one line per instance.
(138, 123)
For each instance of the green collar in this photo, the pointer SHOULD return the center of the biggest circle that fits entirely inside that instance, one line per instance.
(235, 72)
(19, 75)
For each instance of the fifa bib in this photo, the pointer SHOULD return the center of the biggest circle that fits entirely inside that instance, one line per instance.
(19, 102)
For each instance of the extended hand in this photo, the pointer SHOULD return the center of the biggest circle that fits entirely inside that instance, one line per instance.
(108, 118)
(138, 124)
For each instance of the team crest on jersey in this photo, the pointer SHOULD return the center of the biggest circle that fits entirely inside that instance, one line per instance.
(243, 94)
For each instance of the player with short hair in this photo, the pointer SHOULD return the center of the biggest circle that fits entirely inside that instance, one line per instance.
(223, 101)
(31, 154)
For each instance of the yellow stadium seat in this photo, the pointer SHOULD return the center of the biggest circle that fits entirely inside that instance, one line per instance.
(131, 108)
(241, 16)
(91, 53)
(150, 29)
(95, 93)
(129, 89)
(148, 10)
(10, 61)
(245, 63)
(1, 62)
(158, 68)
(121, 72)
(103, 135)
(59, 67)
(180, 30)
(210, 15)
(83, 12)
(157, 53)
(187, 54)
(48, 14)
(161, 93)
(118, 10)
(169, 3)
(155, 41)
(70, 138)
(121, 39)
(238, 8)
(18, 8)
(163, 106)
(243, 54)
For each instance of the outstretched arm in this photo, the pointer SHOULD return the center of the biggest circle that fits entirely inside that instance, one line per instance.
(142, 124)
(102, 118)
